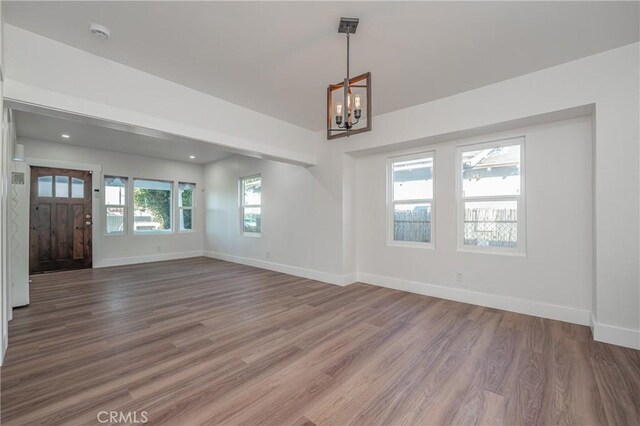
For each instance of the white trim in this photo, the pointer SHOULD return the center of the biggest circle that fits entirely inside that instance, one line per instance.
(243, 205)
(327, 277)
(601, 332)
(61, 164)
(620, 336)
(105, 206)
(506, 303)
(103, 263)
(252, 234)
(520, 199)
(180, 209)
(412, 244)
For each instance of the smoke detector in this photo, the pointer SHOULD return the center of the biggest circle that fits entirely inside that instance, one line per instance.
(100, 31)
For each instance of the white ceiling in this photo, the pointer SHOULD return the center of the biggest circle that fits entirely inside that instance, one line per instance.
(278, 57)
(46, 128)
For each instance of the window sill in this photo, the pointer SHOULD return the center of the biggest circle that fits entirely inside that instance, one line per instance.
(136, 233)
(187, 231)
(251, 234)
(492, 252)
(410, 244)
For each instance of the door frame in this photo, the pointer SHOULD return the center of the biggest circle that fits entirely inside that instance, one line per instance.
(96, 198)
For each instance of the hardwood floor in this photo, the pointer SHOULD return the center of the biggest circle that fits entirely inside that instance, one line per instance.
(205, 341)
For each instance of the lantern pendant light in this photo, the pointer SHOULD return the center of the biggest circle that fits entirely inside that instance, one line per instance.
(345, 117)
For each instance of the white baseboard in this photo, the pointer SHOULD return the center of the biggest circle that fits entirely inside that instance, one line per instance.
(147, 258)
(601, 332)
(506, 303)
(327, 277)
(620, 336)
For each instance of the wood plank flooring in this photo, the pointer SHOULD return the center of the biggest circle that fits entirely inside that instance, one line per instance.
(202, 341)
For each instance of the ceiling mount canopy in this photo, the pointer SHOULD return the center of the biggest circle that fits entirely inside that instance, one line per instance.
(348, 25)
(352, 109)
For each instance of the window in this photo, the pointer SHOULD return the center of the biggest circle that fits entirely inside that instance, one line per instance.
(77, 188)
(410, 216)
(60, 184)
(186, 193)
(152, 206)
(251, 205)
(45, 186)
(115, 202)
(491, 201)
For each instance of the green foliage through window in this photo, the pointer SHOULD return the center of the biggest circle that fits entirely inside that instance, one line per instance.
(158, 202)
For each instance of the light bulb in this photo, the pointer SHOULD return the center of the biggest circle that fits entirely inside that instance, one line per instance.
(339, 108)
(357, 101)
(349, 102)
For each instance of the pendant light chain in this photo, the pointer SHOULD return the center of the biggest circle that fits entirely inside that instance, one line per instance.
(347, 114)
(347, 56)
(349, 109)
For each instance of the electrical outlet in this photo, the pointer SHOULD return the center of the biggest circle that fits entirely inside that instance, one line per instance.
(267, 255)
(459, 277)
(159, 248)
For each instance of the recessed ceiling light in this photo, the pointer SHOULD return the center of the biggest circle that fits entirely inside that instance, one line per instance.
(66, 136)
(192, 156)
(100, 31)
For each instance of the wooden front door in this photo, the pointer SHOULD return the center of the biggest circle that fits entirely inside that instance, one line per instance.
(60, 220)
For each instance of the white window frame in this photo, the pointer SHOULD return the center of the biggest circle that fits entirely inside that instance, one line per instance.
(125, 206)
(243, 206)
(180, 208)
(391, 203)
(133, 208)
(520, 249)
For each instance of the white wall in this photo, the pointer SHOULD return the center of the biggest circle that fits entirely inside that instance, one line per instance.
(121, 249)
(556, 273)
(18, 243)
(300, 219)
(5, 301)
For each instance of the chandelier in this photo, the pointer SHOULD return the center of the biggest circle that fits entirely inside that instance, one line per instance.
(351, 112)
